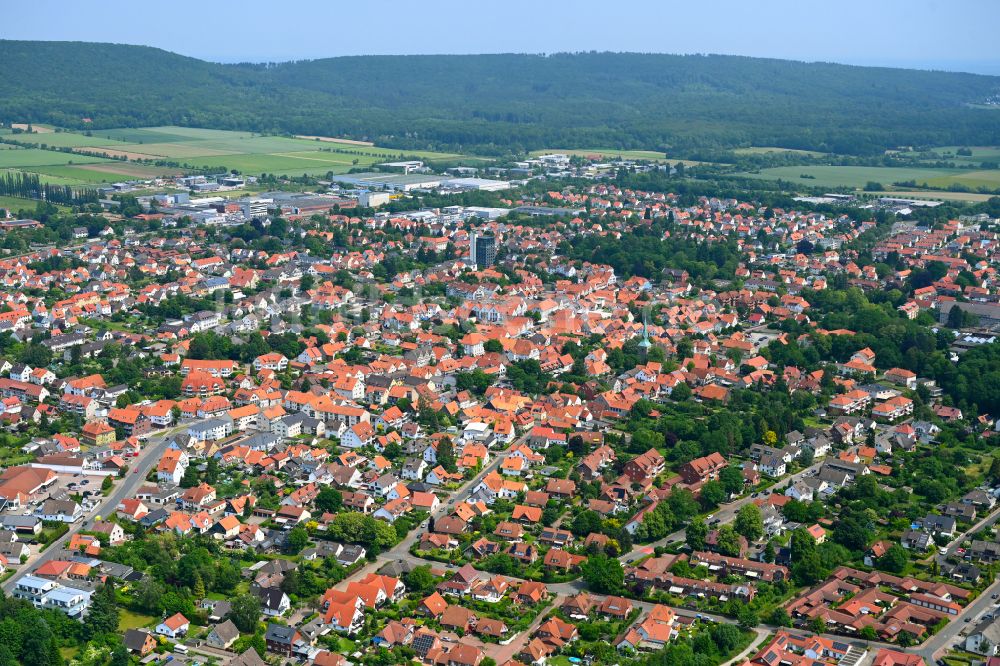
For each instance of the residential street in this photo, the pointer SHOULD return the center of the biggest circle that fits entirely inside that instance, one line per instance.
(724, 514)
(944, 638)
(125, 487)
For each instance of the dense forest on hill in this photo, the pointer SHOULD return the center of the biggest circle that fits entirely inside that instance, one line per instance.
(504, 103)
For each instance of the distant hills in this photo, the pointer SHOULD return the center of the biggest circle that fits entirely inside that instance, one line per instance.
(500, 103)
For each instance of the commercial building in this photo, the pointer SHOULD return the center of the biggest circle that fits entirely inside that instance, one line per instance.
(482, 250)
(370, 199)
(254, 209)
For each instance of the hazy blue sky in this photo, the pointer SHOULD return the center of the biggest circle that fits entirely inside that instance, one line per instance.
(943, 34)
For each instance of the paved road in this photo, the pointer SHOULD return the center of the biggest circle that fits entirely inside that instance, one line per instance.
(957, 541)
(401, 551)
(148, 457)
(725, 514)
(943, 639)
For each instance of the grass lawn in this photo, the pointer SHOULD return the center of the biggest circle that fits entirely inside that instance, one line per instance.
(68, 652)
(345, 646)
(66, 139)
(129, 620)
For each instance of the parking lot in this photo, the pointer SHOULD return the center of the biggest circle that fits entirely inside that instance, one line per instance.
(66, 485)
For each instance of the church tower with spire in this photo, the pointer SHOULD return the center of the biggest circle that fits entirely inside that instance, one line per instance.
(645, 344)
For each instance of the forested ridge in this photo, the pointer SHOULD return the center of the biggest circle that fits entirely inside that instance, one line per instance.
(506, 103)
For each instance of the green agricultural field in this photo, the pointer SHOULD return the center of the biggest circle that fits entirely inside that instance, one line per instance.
(989, 178)
(52, 179)
(282, 163)
(979, 154)
(935, 195)
(197, 148)
(103, 172)
(65, 139)
(142, 135)
(33, 157)
(851, 176)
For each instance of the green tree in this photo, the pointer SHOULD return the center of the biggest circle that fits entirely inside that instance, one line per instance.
(696, 533)
(419, 579)
(894, 560)
(212, 470)
(245, 612)
(329, 500)
(297, 539)
(994, 472)
(732, 479)
(712, 495)
(779, 618)
(446, 454)
(750, 522)
(728, 541)
(682, 504)
(747, 616)
(604, 574)
(190, 478)
(102, 616)
(681, 392)
(199, 588)
(585, 523)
